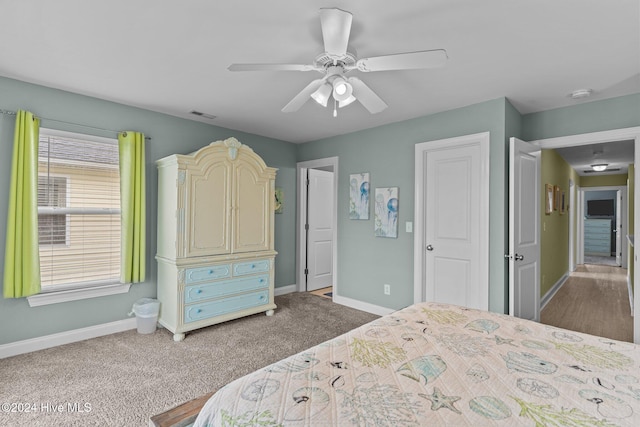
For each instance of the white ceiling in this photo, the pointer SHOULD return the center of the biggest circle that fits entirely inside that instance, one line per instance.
(616, 155)
(172, 56)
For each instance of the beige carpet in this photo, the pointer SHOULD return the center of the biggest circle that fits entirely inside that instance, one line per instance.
(123, 379)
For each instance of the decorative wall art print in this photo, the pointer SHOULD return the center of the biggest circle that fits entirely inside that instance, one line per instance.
(386, 212)
(359, 195)
(279, 195)
(548, 205)
(556, 195)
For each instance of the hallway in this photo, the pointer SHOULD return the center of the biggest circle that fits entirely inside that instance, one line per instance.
(595, 300)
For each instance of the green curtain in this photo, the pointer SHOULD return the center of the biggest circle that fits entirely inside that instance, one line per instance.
(22, 258)
(132, 196)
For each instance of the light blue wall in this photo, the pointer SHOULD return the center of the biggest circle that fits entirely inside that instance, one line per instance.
(596, 116)
(387, 152)
(169, 135)
(366, 262)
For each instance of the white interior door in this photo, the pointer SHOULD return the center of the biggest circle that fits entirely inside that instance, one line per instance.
(456, 222)
(524, 230)
(320, 229)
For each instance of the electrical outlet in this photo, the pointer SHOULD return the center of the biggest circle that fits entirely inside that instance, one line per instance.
(387, 289)
(409, 227)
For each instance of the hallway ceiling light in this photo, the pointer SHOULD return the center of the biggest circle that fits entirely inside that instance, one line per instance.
(599, 167)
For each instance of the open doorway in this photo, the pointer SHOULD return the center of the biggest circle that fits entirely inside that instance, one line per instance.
(604, 225)
(632, 137)
(316, 256)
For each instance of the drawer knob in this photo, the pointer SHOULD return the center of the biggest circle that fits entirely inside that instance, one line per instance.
(199, 291)
(210, 271)
(261, 297)
(261, 280)
(199, 310)
(253, 266)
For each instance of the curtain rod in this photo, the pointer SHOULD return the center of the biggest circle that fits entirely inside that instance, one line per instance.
(13, 113)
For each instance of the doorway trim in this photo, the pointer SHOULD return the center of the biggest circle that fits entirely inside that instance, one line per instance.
(624, 134)
(572, 226)
(301, 212)
(581, 215)
(483, 140)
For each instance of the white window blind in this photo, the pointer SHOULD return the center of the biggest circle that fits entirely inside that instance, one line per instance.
(78, 210)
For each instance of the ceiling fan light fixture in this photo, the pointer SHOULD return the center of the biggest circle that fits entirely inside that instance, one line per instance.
(342, 89)
(599, 167)
(322, 94)
(346, 102)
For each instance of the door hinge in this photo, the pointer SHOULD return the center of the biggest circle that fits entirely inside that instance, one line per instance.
(306, 227)
(306, 271)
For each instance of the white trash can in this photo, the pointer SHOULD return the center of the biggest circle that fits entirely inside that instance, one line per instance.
(146, 311)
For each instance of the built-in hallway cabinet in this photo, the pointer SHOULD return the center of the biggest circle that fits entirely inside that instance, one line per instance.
(597, 237)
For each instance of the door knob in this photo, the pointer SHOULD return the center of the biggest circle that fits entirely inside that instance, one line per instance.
(518, 257)
(429, 247)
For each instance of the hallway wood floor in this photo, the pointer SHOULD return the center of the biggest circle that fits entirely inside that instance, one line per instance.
(595, 300)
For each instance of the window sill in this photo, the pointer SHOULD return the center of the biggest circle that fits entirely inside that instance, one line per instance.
(77, 294)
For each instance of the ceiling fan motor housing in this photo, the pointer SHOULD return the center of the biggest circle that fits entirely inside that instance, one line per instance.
(327, 61)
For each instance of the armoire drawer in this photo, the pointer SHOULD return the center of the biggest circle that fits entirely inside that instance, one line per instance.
(193, 313)
(193, 293)
(212, 272)
(251, 267)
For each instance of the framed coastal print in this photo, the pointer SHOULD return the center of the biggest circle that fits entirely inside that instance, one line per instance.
(386, 212)
(548, 200)
(556, 198)
(359, 195)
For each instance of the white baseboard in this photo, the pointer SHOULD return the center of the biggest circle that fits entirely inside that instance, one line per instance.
(349, 302)
(551, 292)
(630, 293)
(53, 340)
(362, 306)
(282, 290)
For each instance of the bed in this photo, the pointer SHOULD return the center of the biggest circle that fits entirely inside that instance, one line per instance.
(437, 364)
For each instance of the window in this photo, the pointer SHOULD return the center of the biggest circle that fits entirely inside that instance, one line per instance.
(78, 211)
(52, 193)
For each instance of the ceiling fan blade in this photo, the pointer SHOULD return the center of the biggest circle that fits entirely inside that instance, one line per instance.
(302, 97)
(366, 96)
(404, 61)
(273, 67)
(336, 27)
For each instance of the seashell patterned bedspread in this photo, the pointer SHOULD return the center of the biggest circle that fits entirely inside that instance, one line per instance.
(435, 364)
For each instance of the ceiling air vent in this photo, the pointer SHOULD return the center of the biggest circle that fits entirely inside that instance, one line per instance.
(205, 115)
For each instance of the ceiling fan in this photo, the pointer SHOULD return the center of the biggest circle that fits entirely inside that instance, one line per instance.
(335, 62)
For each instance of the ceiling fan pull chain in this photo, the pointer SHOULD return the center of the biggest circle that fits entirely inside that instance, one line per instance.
(335, 110)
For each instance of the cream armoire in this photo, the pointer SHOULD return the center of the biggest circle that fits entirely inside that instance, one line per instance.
(215, 236)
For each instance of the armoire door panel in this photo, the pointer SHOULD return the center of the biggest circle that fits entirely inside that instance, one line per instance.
(250, 207)
(208, 215)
